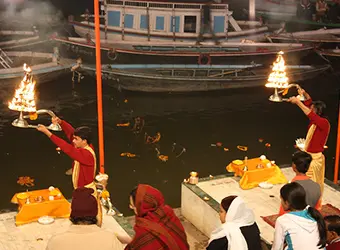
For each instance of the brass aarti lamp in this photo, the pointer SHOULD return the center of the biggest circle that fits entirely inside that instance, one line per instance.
(24, 101)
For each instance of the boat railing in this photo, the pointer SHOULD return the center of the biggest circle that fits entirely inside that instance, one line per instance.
(164, 5)
(5, 61)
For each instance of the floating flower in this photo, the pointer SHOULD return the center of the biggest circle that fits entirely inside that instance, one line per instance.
(163, 158)
(219, 144)
(127, 154)
(123, 124)
(242, 148)
(267, 145)
(26, 181)
(226, 149)
(261, 140)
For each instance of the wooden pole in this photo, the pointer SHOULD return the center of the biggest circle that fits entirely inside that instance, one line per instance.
(252, 10)
(337, 152)
(99, 87)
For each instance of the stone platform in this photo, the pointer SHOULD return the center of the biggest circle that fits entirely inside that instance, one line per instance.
(200, 203)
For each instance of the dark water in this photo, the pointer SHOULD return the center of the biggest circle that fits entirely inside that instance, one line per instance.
(235, 117)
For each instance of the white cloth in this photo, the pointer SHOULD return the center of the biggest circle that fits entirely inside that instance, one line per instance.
(238, 215)
(299, 231)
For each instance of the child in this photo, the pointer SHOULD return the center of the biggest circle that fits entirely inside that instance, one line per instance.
(333, 232)
(303, 228)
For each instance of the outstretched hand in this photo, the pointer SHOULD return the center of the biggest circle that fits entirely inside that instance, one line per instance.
(44, 130)
(56, 120)
(293, 100)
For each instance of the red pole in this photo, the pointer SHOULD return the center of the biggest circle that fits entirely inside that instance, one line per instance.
(337, 152)
(99, 87)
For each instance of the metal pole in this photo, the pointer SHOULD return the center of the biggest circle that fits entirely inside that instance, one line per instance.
(337, 152)
(252, 10)
(99, 87)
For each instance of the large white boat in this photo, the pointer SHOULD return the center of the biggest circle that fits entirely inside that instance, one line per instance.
(160, 21)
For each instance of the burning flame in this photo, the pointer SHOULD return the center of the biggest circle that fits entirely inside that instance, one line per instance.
(278, 78)
(23, 99)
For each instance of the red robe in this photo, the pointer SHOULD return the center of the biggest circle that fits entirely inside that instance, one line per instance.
(83, 156)
(321, 132)
(157, 226)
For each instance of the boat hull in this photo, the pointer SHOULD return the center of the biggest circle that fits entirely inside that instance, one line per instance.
(141, 82)
(125, 56)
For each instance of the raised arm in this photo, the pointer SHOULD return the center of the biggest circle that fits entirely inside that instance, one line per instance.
(78, 154)
(67, 128)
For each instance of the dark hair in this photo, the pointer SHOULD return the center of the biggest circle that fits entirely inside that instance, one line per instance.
(319, 107)
(133, 194)
(84, 133)
(295, 195)
(226, 202)
(302, 161)
(333, 223)
(87, 220)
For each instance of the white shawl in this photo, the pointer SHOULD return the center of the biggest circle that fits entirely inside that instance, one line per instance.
(238, 215)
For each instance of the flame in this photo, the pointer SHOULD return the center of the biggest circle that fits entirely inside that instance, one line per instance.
(24, 97)
(278, 78)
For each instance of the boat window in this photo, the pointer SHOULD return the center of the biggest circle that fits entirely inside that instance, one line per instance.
(143, 22)
(128, 21)
(159, 22)
(174, 23)
(219, 22)
(114, 18)
(190, 23)
(183, 73)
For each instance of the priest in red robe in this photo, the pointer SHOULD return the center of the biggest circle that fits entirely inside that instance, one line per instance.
(317, 135)
(81, 151)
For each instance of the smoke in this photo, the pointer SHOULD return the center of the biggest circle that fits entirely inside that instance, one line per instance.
(30, 12)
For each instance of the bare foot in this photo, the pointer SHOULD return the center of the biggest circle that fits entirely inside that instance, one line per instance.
(69, 172)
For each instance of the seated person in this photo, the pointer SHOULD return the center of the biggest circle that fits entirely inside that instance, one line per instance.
(305, 10)
(301, 161)
(333, 232)
(238, 230)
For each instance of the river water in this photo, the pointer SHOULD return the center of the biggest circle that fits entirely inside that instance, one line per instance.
(233, 117)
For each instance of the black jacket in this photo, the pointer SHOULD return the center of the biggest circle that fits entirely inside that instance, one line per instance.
(250, 233)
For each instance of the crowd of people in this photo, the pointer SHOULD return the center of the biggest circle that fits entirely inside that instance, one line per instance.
(300, 225)
(320, 11)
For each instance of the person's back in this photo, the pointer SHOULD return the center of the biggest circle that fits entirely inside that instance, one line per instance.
(313, 191)
(301, 230)
(84, 237)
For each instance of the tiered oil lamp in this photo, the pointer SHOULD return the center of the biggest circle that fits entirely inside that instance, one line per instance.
(24, 101)
(278, 80)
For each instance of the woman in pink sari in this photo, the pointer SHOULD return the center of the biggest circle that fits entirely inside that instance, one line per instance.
(157, 226)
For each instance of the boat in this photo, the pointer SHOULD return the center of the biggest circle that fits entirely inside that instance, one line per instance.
(159, 21)
(194, 78)
(312, 36)
(44, 66)
(186, 53)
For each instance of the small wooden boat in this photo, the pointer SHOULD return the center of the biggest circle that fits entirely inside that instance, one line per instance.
(44, 66)
(195, 78)
(186, 53)
(313, 36)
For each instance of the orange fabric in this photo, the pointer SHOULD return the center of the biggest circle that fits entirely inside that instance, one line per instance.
(31, 212)
(253, 176)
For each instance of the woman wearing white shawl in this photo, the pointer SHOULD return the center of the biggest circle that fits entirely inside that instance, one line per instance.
(239, 230)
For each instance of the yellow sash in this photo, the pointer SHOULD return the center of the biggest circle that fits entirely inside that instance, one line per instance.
(316, 169)
(76, 169)
(309, 136)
